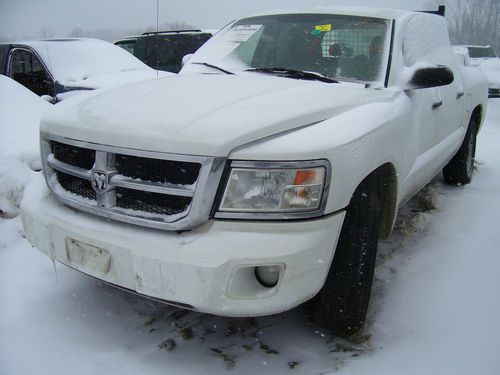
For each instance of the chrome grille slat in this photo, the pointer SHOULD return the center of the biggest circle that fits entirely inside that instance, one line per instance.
(121, 181)
(68, 169)
(146, 197)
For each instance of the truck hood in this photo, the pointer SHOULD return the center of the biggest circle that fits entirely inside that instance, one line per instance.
(203, 114)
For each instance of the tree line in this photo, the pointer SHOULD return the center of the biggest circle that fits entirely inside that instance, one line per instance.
(475, 22)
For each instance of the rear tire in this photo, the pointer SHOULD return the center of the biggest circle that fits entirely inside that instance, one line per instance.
(459, 170)
(342, 303)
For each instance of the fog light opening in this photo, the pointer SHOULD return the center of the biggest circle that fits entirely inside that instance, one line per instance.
(268, 276)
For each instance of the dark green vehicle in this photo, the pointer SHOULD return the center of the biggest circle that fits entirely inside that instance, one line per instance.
(164, 50)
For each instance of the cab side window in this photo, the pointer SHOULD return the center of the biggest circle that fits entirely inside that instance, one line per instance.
(27, 69)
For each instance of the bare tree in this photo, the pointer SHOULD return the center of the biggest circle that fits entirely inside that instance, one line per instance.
(77, 31)
(474, 22)
(46, 33)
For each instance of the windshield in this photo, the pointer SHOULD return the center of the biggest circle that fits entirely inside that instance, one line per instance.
(336, 46)
(478, 52)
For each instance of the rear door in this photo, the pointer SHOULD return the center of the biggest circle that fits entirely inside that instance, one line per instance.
(437, 112)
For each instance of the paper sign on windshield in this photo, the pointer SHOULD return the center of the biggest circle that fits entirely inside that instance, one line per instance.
(241, 33)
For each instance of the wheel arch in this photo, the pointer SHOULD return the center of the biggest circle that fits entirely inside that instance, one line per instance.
(477, 117)
(387, 192)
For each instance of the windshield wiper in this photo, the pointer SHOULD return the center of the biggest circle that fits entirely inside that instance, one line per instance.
(300, 74)
(214, 67)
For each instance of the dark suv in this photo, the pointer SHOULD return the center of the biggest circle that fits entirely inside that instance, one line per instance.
(164, 50)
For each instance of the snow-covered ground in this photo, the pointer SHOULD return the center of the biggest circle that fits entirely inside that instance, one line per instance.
(435, 308)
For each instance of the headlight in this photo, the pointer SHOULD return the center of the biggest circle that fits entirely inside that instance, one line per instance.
(275, 190)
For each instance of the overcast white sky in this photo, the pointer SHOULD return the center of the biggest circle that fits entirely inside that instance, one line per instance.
(25, 18)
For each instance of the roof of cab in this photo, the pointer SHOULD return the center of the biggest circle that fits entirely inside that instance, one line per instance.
(344, 10)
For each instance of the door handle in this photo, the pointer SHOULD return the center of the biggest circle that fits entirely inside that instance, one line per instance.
(436, 105)
(460, 94)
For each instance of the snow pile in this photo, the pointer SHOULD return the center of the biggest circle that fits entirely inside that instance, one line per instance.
(20, 112)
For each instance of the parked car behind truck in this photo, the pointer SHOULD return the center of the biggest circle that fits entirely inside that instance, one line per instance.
(164, 50)
(263, 175)
(55, 67)
(486, 59)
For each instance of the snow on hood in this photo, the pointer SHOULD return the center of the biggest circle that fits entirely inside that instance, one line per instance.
(117, 79)
(491, 69)
(208, 114)
(487, 64)
(493, 77)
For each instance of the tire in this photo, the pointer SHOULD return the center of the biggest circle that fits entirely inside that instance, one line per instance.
(459, 170)
(342, 303)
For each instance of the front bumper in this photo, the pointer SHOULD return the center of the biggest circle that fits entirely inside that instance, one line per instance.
(209, 269)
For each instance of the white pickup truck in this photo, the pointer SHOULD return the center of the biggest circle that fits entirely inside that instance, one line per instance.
(264, 174)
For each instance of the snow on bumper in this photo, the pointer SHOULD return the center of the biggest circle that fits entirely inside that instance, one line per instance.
(210, 269)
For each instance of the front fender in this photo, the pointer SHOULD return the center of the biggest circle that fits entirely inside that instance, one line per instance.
(355, 142)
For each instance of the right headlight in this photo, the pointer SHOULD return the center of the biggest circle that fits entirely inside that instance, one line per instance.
(275, 190)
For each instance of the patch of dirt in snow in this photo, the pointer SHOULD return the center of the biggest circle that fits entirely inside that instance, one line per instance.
(284, 342)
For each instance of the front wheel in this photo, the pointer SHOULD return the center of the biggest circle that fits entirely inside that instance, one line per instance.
(342, 303)
(459, 170)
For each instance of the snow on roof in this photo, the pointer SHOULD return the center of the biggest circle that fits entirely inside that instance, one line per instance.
(344, 10)
(472, 46)
(72, 60)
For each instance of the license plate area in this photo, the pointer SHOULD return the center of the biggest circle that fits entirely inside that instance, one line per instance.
(85, 256)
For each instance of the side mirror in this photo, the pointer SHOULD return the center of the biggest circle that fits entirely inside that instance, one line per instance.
(432, 76)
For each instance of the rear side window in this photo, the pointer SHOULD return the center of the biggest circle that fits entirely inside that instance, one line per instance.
(127, 45)
(26, 68)
(165, 52)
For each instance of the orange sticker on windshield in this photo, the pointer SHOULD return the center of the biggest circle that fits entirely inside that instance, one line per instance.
(323, 28)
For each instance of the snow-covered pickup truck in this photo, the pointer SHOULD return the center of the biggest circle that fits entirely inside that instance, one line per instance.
(264, 174)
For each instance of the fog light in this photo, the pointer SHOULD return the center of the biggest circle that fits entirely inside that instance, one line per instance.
(268, 276)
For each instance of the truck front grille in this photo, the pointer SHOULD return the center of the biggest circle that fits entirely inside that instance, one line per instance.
(159, 190)
(160, 204)
(76, 185)
(162, 171)
(72, 155)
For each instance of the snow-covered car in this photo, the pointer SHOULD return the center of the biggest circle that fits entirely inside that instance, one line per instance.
(164, 50)
(486, 59)
(263, 174)
(55, 67)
